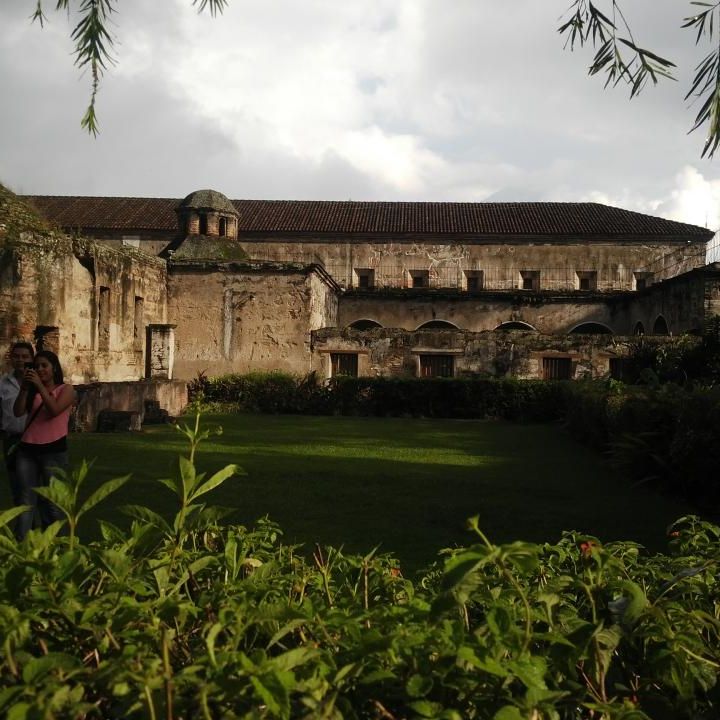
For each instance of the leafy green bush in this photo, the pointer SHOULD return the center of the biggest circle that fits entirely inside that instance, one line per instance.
(525, 400)
(182, 617)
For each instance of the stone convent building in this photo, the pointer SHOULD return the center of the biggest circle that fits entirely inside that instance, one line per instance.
(131, 288)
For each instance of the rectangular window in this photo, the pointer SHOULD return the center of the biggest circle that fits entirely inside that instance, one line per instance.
(203, 227)
(104, 319)
(222, 227)
(437, 366)
(586, 280)
(530, 279)
(555, 368)
(618, 368)
(642, 280)
(419, 278)
(344, 364)
(364, 278)
(473, 280)
(139, 323)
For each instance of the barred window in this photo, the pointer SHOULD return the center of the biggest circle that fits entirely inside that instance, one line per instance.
(555, 368)
(437, 366)
(344, 364)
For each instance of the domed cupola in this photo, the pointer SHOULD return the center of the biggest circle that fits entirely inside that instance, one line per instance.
(208, 212)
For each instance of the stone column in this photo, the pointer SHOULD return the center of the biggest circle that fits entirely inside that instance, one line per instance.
(160, 351)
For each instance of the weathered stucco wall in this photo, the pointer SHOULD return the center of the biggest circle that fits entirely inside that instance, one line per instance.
(91, 301)
(501, 260)
(130, 396)
(410, 309)
(392, 352)
(237, 317)
(685, 303)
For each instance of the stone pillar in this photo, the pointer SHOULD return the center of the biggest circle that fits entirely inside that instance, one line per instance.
(212, 223)
(160, 351)
(192, 224)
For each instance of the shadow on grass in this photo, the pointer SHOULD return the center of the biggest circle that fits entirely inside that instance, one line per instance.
(407, 485)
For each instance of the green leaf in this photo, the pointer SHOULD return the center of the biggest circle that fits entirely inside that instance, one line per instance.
(59, 494)
(188, 476)
(217, 479)
(145, 515)
(509, 712)
(418, 686)
(7, 516)
(107, 488)
(37, 668)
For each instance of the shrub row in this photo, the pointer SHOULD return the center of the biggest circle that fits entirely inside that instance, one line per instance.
(666, 435)
(182, 617)
(524, 400)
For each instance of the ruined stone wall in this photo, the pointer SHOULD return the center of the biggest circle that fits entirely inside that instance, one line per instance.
(147, 241)
(477, 313)
(86, 302)
(502, 261)
(238, 317)
(685, 303)
(395, 353)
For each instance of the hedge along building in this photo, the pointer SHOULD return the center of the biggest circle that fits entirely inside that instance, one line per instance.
(553, 289)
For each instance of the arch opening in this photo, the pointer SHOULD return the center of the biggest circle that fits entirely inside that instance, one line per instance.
(591, 328)
(516, 325)
(438, 325)
(639, 329)
(365, 324)
(660, 326)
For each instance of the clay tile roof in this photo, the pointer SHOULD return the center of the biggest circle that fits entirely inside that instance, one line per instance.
(290, 216)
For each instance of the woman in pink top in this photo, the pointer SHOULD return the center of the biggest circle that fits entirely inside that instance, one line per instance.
(47, 401)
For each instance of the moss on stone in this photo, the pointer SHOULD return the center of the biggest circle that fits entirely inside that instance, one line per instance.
(206, 248)
(18, 216)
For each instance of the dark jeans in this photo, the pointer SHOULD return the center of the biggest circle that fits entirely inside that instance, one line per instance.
(35, 470)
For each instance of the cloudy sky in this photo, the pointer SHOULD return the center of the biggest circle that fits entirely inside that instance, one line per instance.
(461, 100)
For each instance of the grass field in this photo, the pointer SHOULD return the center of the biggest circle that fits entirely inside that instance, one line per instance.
(406, 484)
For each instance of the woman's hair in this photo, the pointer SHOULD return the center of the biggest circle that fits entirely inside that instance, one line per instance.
(52, 358)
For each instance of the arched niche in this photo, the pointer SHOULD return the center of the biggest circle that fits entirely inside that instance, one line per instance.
(516, 325)
(660, 326)
(639, 329)
(591, 328)
(365, 324)
(438, 325)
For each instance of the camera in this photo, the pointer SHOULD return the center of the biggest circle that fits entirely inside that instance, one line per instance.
(29, 366)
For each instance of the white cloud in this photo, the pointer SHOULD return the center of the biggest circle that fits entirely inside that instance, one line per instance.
(369, 99)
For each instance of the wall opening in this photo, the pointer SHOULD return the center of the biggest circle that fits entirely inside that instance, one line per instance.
(529, 279)
(343, 364)
(586, 280)
(139, 323)
(365, 325)
(437, 366)
(203, 225)
(364, 278)
(639, 329)
(104, 319)
(591, 328)
(516, 325)
(556, 368)
(438, 325)
(474, 280)
(660, 327)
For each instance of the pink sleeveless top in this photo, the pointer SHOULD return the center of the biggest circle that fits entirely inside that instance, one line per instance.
(46, 428)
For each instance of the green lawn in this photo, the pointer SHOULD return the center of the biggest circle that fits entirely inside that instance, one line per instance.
(406, 484)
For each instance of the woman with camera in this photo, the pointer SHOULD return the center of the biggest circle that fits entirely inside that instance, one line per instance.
(46, 400)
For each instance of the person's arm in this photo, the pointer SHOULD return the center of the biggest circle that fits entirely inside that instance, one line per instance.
(63, 401)
(20, 406)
